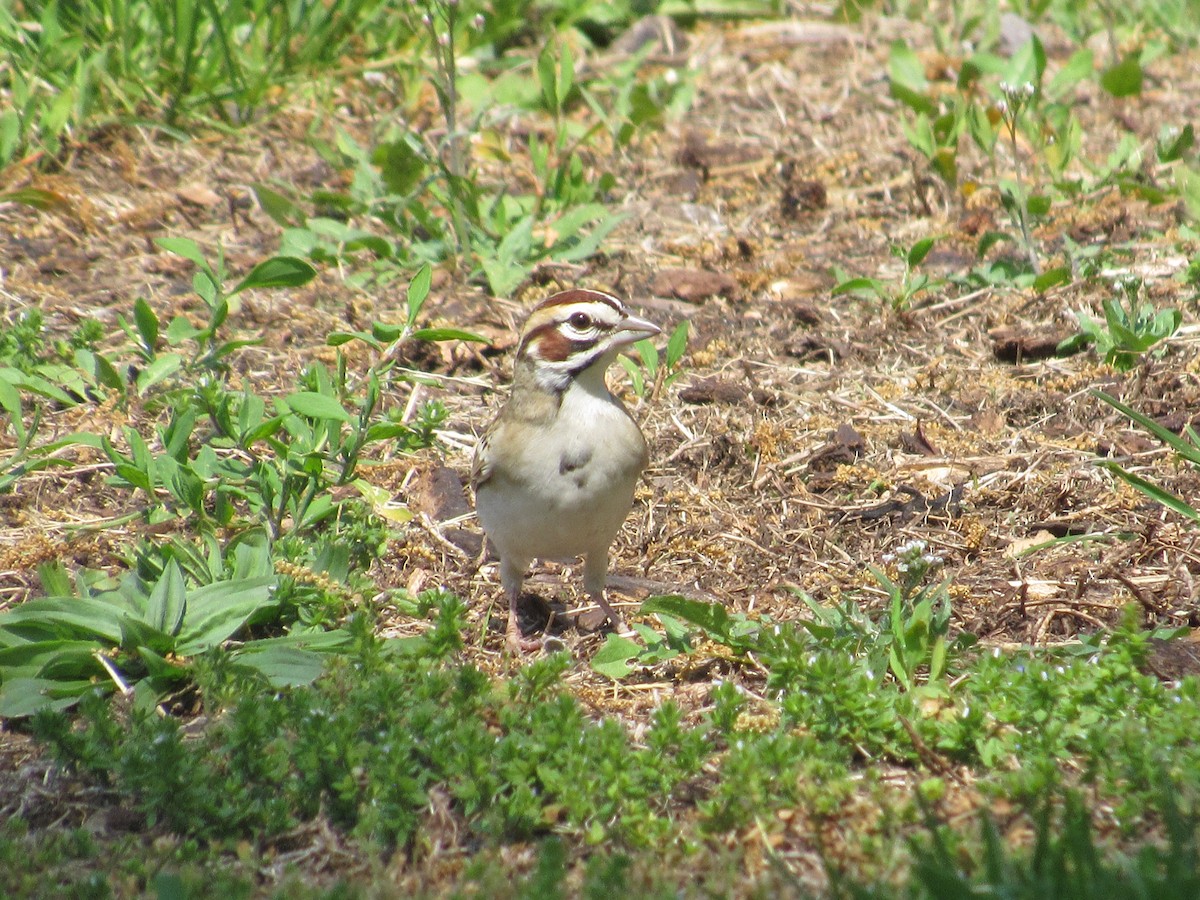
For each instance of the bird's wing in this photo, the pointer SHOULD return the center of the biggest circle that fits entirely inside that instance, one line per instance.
(483, 462)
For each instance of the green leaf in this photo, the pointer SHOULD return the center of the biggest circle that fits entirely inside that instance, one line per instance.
(338, 338)
(1052, 278)
(282, 211)
(181, 330)
(168, 601)
(1154, 492)
(278, 271)
(66, 617)
(857, 285)
(1180, 445)
(612, 660)
(712, 617)
(547, 79)
(401, 166)
(1173, 143)
(38, 199)
(1125, 78)
(147, 324)
(1028, 64)
(503, 276)
(677, 344)
(418, 291)
(162, 368)
(218, 610)
(1078, 69)
(1038, 204)
(185, 247)
(283, 667)
(906, 76)
(317, 406)
(1187, 180)
(447, 334)
(37, 385)
(634, 371)
(137, 633)
(916, 255)
(20, 697)
(10, 402)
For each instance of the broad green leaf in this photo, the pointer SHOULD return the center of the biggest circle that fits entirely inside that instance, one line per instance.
(279, 271)
(418, 291)
(20, 697)
(338, 338)
(10, 402)
(217, 611)
(66, 617)
(317, 406)
(147, 323)
(1038, 204)
(385, 332)
(503, 277)
(612, 660)
(185, 247)
(282, 666)
(181, 330)
(917, 253)
(712, 617)
(162, 368)
(1052, 278)
(546, 77)
(1125, 78)
(64, 658)
(283, 211)
(401, 166)
(1078, 69)
(168, 601)
(137, 633)
(853, 285)
(36, 384)
(906, 77)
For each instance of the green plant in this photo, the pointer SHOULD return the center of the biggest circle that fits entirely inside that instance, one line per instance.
(1067, 857)
(919, 617)
(1185, 445)
(71, 67)
(652, 372)
(142, 635)
(912, 284)
(1130, 328)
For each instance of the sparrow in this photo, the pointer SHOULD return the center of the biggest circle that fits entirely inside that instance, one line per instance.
(554, 473)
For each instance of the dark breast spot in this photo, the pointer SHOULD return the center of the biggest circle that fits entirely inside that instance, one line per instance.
(574, 460)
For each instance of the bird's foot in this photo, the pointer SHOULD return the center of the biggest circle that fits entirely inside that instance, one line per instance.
(516, 641)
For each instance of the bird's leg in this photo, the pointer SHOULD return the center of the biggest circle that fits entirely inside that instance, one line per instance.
(595, 576)
(512, 576)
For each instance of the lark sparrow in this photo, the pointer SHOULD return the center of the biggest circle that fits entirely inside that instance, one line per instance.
(554, 474)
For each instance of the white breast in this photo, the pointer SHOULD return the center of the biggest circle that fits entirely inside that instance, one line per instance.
(568, 492)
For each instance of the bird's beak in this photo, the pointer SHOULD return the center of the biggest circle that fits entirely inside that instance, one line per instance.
(632, 329)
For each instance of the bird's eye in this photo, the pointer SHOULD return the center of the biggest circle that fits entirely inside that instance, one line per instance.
(580, 321)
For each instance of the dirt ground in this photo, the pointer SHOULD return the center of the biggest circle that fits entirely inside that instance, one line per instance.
(811, 433)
